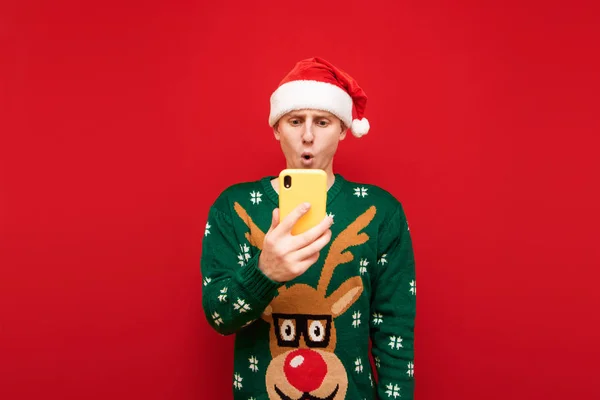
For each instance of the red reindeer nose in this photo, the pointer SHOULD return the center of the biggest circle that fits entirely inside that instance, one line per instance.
(305, 369)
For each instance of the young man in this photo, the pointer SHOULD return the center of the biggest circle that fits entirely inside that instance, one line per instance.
(304, 307)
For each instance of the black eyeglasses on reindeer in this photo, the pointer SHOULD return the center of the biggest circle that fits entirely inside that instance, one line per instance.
(316, 329)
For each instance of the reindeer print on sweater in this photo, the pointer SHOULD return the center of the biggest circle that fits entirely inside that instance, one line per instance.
(302, 320)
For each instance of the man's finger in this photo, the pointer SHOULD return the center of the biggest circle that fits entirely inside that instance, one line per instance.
(308, 262)
(290, 220)
(274, 219)
(306, 238)
(315, 246)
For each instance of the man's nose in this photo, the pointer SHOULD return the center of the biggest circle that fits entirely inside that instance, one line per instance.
(307, 135)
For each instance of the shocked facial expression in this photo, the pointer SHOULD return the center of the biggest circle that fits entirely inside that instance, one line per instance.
(309, 138)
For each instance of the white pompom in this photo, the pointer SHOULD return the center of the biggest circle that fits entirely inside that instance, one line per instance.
(360, 127)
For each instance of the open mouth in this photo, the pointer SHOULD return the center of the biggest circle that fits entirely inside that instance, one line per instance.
(307, 396)
(307, 156)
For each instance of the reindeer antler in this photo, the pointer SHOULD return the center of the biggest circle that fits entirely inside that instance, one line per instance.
(256, 236)
(337, 252)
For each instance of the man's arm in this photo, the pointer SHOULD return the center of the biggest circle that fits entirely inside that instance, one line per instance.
(235, 291)
(393, 310)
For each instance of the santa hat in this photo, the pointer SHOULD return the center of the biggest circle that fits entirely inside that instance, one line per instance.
(317, 84)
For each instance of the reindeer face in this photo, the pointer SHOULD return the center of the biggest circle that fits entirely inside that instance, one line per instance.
(302, 335)
(302, 342)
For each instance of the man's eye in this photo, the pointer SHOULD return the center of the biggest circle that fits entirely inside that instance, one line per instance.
(323, 123)
(294, 122)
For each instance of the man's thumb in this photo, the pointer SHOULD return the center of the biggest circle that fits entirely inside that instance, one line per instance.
(275, 219)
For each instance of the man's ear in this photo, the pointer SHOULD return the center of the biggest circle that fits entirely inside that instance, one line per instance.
(276, 131)
(344, 131)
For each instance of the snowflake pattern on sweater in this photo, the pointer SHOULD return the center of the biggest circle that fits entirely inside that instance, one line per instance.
(321, 321)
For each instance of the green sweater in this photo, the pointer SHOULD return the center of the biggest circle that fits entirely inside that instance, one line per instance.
(309, 338)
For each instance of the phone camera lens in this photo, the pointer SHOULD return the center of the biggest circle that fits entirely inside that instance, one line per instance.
(287, 181)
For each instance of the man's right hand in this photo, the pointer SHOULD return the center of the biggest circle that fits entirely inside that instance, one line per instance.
(285, 256)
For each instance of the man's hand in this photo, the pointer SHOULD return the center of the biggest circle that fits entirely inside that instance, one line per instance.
(285, 256)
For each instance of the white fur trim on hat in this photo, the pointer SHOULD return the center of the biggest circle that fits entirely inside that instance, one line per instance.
(360, 127)
(305, 94)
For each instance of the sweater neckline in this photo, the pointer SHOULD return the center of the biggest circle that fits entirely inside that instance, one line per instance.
(332, 193)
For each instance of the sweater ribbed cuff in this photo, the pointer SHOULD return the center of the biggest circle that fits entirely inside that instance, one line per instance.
(255, 282)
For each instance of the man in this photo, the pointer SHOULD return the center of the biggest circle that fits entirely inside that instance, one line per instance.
(304, 307)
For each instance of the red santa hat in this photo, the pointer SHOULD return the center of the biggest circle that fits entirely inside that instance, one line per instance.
(317, 84)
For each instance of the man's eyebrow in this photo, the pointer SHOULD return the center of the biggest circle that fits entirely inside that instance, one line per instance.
(316, 115)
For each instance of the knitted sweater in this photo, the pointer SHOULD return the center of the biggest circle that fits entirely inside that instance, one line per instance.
(309, 338)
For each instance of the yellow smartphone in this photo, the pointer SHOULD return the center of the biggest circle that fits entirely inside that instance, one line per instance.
(297, 186)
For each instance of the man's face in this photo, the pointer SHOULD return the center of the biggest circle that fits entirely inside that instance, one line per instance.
(309, 138)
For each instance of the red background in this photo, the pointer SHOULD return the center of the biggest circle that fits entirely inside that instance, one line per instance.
(121, 122)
